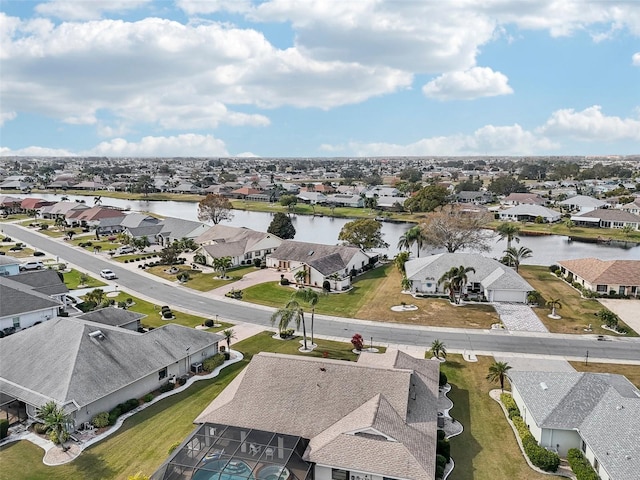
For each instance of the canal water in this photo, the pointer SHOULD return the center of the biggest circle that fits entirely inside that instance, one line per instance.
(546, 249)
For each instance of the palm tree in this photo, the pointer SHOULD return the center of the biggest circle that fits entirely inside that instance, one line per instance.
(60, 222)
(311, 298)
(438, 349)
(406, 283)
(510, 231)
(447, 283)
(554, 303)
(70, 234)
(96, 295)
(497, 371)
(569, 223)
(292, 311)
(221, 265)
(56, 421)
(455, 279)
(228, 335)
(399, 260)
(412, 236)
(300, 276)
(97, 200)
(515, 256)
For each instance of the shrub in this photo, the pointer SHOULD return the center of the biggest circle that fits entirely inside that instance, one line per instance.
(443, 447)
(357, 341)
(442, 434)
(182, 380)
(257, 262)
(100, 420)
(208, 323)
(510, 404)
(44, 226)
(113, 415)
(53, 436)
(15, 248)
(38, 254)
(183, 277)
(4, 428)
(40, 428)
(576, 285)
(326, 286)
(122, 305)
(167, 387)
(441, 462)
(233, 293)
(539, 456)
(288, 333)
(443, 379)
(173, 447)
(87, 306)
(148, 397)
(165, 307)
(213, 362)
(7, 239)
(581, 466)
(558, 272)
(129, 301)
(167, 314)
(284, 281)
(131, 404)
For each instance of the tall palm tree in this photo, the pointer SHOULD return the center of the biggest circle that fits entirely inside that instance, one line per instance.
(510, 231)
(438, 349)
(412, 236)
(311, 298)
(221, 265)
(455, 279)
(228, 335)
(448, 284)
(60, 222)
(553, 304)
(399, 260)
(515, 256)
(291, 312)
(497, 371)
(56, 421)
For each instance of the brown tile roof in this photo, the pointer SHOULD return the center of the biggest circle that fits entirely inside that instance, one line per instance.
(605, 272)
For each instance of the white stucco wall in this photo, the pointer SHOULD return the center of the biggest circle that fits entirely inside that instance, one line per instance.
(30, 318)
(324, 473)
(562, 440)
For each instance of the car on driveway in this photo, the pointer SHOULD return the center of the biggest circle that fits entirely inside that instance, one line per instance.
(108, 274)
(31, 266)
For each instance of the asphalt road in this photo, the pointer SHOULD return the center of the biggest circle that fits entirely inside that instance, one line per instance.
(478, 341)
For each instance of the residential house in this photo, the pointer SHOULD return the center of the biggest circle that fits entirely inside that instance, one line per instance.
(89, 185)
(243, 192)
(9, 266)
(45, 281)
(115, 317)
(604, 276)
(101, 367)
(345, 200)
(631, 207)
(34, 204)
(491, 279)
(186, 187)
(582, 203)
(321, 262)
(10, 205)
(92, 216)
(312, 198)
(478, 198)
(241, 244)
(27, 307)
(607, 218)
(315, 418)
(529, 213)
(178, 228)
(523, 199)
(62, 209)
(597, 413)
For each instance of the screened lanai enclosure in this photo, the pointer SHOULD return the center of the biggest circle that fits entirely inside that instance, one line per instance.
(223, 452)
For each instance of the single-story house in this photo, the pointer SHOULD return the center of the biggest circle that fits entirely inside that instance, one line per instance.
(345, 200)
(598, 413)
(9, 265)
(582, 203)
(479, 198)
(303, 418)
(607, 218)
(320, 262)
(93, 215)
(528, 213)
(34, 204)
(312, 198)
(604, 276)
(178, 228)
(62, 209)
(523, 199)
(45, 281)
(27, 307)
(9, 205)
(115, 317)
(632, 207)
(240, 243)
(497, 282)
(101, 367)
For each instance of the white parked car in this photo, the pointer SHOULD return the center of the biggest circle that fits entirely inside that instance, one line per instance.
(126, 249)
(32, 266)
(108, 274)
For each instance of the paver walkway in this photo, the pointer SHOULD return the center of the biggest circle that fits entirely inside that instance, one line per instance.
(519, 317)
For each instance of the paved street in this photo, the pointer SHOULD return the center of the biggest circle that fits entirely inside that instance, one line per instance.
(626, 350)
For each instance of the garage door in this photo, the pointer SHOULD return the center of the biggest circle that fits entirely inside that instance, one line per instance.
(509, 296)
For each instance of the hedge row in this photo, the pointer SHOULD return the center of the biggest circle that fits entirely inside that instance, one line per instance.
(4, 428)
(581, 466)
(539, 456)
(510, 404)
(211, 363)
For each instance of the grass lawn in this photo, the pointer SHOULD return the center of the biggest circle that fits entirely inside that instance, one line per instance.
(199, 280)
(632, 372)
(576, 312)
(14, 216)
(105, 245)
(487, 448)
(72, 280)
(25, 252)
(372, 297)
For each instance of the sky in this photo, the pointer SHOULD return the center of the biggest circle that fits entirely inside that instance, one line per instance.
(319, 78)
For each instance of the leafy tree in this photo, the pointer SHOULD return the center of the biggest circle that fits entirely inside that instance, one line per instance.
(228, 335)
(61, 222)
(515, 256)
(506, 185)
(214, 208)
(291, 312)
(413, 236)
(454, 229)
(143, 185)
(497, 372)
(221, 265)
(364, 233)
(311, 298)
(281, 226)
(399, 260)
(357, 341)
(289, 201)
(570, 224)
(411, 175)
(427, 199)
(169, 255)
(510, 231)
(469, 186)
(70, 234)
(83, 278)
(438, 349)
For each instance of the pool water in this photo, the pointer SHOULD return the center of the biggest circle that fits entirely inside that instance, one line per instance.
(223, 470)
(273, 472)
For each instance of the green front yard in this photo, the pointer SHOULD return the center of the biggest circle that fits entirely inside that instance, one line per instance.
(577, 313)
(72, 280)
(198, 280)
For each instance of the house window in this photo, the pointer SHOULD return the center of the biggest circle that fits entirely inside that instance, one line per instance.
(595, 464)
(162, 373)
(16, 322)
(601, 288)
(337, 474)
(583, 446)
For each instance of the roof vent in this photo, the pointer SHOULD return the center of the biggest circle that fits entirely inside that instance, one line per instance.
(543, 386)
(97, 335)
(311, 252)
(619, 407)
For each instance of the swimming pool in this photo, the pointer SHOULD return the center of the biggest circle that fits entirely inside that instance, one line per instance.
(223, 470)
(273, 472)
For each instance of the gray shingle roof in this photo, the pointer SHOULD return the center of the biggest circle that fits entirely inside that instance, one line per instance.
(58, 360)
(306, 252)
(604, 408)
(328, 265)
(180, 228)
(8, 260)
(18, 298)
(115, 317)
(43, 281)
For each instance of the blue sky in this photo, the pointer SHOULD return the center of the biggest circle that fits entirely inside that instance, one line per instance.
(319, 78)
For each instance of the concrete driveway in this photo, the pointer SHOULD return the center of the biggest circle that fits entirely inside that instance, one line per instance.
(627, 310)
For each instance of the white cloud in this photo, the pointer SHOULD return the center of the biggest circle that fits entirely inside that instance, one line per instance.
(6, 117)
(591, 125)
(247, 155)
(636, 59)
(185, 145)
(195, 7)
(86, 9)
(35, 152)
(473, 83)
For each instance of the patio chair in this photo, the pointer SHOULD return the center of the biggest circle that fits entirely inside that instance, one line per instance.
(268, 453)
(254, 449)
